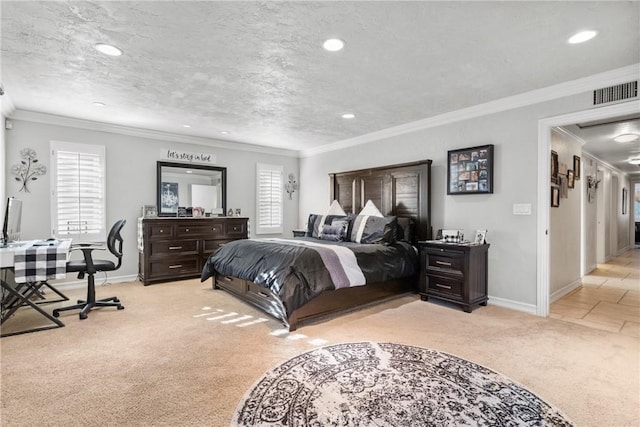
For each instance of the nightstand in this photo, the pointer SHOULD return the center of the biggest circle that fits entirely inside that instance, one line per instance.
(454, 272)
(299, 233)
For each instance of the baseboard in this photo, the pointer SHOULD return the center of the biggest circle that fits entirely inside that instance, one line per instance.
(100, 280)
(564, 290)
(513, 305)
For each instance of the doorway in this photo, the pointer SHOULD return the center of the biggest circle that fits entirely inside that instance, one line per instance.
(544, 192)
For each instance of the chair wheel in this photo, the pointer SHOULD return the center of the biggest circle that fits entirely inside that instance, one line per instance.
(120, 307)
(82, 317)
(56, 314)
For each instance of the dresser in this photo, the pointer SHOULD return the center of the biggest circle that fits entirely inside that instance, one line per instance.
(454, 272)
(177, 248)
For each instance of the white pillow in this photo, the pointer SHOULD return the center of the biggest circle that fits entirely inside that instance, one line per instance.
(335, 209)
(370, 209)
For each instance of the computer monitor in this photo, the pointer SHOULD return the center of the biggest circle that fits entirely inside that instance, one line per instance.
(12, 220)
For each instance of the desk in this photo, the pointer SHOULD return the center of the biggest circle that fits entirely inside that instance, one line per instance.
(26, 267)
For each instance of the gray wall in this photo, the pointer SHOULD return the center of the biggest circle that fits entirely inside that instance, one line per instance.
(131, 178)
(512, 256)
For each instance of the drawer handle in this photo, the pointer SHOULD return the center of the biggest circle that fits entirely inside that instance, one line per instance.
(176, 266)
(162, 231)
(262, 294)
(443, 286)
(443, 263)
(186, 229)
(172, 248)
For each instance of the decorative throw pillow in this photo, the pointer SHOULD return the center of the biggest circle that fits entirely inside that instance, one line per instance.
(370, 209)
(373, 229)
(318, 222)
(335, 209)
(336, 232)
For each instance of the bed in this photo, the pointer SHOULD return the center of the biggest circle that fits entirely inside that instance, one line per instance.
(303, 279)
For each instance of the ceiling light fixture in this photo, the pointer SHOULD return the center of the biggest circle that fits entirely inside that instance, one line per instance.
(186, 126)
(626, 137)
(108, 49)
(582, 36)
(224, 132)
(99, 104)
(333, 45)
(348, 116)
(634, 161)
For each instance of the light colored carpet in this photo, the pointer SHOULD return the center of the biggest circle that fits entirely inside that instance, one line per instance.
(182, 354)
(389, 384)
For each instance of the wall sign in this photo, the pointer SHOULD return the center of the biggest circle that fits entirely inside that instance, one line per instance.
(186, 156)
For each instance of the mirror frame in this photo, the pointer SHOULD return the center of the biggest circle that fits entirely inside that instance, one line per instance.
(161, 164)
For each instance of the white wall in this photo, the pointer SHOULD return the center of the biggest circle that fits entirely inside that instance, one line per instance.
(513, 251)
(564, 222)
(131, 178)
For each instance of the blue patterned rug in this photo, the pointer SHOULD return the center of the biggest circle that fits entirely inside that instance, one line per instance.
(385, 384)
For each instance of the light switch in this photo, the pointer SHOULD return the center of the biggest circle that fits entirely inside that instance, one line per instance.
(522, 208)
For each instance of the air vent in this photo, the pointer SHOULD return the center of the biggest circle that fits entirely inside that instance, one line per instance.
(615, 93)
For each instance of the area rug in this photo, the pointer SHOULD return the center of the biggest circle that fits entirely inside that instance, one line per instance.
(386, 384)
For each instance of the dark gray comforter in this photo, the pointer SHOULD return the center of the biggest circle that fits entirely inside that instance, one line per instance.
(298, 273)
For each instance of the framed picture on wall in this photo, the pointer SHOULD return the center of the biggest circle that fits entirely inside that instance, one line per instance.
(576, 167)
(571, 179)
(624, 201)
(554, 167)
(555, 196)
(470, 170)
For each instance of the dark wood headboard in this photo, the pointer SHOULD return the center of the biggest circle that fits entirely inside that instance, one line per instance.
(402, 190)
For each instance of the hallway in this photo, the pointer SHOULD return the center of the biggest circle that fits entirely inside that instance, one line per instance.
(609, 298)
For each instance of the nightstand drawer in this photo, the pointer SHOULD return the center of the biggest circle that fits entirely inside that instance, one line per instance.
(445, 260)
(447, 286)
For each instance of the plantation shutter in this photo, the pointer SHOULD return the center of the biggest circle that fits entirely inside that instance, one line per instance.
(78, 196)
(269, 199)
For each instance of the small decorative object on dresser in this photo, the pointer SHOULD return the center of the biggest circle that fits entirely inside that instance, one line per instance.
(149, 211)
(480, 237)
(454, 272)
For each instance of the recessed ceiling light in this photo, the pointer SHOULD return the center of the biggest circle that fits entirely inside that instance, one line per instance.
(189, 171)
(99, 104)
(186, 126)
(582, 36)
(626, 137)
(108, 49)
(635, 161)
(333, 45)
(348, 116)
(224, 132)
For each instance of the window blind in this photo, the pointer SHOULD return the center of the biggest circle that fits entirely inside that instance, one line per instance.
(79, 192)
(269, 199)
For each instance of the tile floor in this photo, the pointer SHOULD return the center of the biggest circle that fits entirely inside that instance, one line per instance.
(609, 298)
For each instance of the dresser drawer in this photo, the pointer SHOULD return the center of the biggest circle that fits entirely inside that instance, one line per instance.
(174, 267)
(236, 228)
(212, 245)
(447, 286)
(173, 247)
(161, 231)
(206, 230)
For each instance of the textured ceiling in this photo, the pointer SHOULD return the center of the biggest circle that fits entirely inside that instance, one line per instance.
(257, 69)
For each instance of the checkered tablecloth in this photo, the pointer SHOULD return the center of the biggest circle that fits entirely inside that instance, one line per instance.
(39, 263)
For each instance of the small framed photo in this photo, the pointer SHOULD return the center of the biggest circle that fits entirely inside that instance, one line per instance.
(149, 211)
(555, 196)
(554, 167)
(480, 237)
(470, 170)
(576, 167)
(238, 212)
(571, 179)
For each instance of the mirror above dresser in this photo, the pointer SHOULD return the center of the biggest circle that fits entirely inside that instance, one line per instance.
(182, 187)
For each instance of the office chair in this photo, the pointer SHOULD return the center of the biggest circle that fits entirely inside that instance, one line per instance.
(91, 266)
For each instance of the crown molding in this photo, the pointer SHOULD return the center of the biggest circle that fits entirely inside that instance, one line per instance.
(52, 119)
(562, 131)
(561, 90)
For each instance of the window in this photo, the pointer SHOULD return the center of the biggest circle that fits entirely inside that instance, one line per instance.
(269, 198)
(78, 191)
